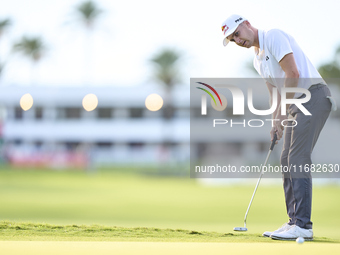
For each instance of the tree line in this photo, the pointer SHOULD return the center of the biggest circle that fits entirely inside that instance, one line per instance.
(165, 61)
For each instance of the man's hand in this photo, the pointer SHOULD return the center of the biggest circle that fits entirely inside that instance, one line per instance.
(277, 127)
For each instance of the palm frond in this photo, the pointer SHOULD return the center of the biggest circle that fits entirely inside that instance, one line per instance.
(32, 47)
(88, 12)
(166, 63)
(4, 24)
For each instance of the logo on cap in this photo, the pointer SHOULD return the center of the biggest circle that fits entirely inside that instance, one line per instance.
(239, 19)
(225, 28)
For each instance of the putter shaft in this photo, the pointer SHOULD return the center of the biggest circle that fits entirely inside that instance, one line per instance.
(258, 181)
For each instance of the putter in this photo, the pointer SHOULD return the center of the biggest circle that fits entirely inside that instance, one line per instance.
(258, 182)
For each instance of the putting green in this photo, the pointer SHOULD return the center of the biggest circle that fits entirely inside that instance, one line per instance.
(133, 201)
(150, 248)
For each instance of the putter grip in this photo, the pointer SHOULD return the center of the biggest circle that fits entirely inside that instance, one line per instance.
(273, 142)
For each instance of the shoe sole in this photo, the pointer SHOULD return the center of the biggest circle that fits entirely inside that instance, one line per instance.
(290, 239)
(270, 234)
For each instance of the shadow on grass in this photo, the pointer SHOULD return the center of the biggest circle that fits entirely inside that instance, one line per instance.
(260, 238)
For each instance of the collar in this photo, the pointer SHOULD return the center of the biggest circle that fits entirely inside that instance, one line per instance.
(261, 41)
(261, 35)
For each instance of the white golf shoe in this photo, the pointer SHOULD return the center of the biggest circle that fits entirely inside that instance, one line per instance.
(292, 233)
(284, 227)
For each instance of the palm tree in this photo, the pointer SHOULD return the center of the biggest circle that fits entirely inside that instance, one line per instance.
(4, 24)
(88, 13)
(33, 48)
(166, 64)
(332, 68)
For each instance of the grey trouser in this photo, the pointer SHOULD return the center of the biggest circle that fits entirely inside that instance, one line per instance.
(299, 142)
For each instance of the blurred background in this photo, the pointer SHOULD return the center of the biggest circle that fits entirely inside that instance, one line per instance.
(75, 79)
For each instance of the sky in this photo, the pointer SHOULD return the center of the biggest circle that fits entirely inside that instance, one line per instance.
(129, 33)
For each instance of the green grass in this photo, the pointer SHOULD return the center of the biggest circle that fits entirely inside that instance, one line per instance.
(49, 232)
(135, 201)
(164, 248)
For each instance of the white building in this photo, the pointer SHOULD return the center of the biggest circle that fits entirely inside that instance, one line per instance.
(58, 131)
(119, 130)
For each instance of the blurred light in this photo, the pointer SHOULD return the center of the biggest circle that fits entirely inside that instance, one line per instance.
(90, 102)
(26, 102)
(154, 102)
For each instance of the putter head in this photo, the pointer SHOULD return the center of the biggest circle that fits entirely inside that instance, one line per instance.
(240, 229)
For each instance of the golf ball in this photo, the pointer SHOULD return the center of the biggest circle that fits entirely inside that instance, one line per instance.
(300, 239)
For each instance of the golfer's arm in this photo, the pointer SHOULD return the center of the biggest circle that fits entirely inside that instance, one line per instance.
(270, 89)
(288, 65)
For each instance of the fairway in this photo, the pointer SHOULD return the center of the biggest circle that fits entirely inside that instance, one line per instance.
(130, 213)
(130, 200)
(48, 232)
(29, 238)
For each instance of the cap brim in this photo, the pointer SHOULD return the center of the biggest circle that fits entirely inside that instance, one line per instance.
(225, 41)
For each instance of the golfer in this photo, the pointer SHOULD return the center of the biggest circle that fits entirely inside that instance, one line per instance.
(282, 63)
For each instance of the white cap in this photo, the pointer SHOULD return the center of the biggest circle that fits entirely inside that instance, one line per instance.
(229, 26)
